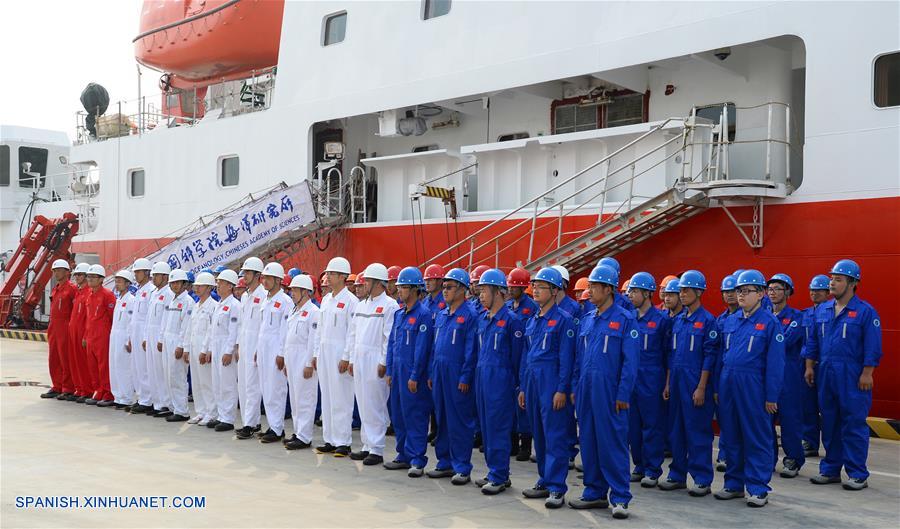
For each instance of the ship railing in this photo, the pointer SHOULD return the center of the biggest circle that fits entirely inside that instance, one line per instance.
(699, 148)
(79, 185)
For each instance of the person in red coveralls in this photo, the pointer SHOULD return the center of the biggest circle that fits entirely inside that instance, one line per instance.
(78, 363)
(61, 299)
(100, 305)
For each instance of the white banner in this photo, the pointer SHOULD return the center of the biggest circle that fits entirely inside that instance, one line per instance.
(237, 234)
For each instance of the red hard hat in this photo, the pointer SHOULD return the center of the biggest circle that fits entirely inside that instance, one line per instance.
(360, 279)
(286, 282)
(518, 277)
(241, 283)
(394, 273)
(434, 271)
(475, 274)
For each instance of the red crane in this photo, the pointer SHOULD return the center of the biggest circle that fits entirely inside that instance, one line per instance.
(46, 241)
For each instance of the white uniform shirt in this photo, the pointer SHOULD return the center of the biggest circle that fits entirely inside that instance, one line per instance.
(273, 315)
(122, 313)
(370, 330)
(141, 312)
(302, 338)
(334, 323)
(200, 326)
(178, 318)
(225, 325)
(251, 303)
(156, 313)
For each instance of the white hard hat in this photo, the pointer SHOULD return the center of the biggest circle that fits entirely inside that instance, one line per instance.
(228, 275)
(339, 265)
(127, 275)
(562, 271)
(177, 275)
(205, 279)
(141, 263)
(161, 267)
(96, 270)
(254, 264)
(60, 263)
(302, 281)
(376, 271)
(81, 268)
(274, 270)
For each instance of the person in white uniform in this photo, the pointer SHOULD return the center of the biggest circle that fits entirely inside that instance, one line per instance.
(223, 341)
(276, 307)
(367, 341)
(174, 332)
(198, 351)
(136, 334)
(248, 334)
(120, 380)
(333, 361)
(156, 364)
(301, 345)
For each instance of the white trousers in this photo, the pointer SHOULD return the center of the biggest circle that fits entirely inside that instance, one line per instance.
(371, 397)
(337, 396)
(140, 366)
(248, 387)
(157, 371)
(303, 396)
(224, 385)
(272, 382)
(120, 382)
(201, 387)
(176, 376)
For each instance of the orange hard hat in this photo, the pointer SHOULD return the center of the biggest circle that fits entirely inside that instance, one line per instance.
(586, 295)
(666, 280)
(434, 271)
(351, 278)
(393, 273)
(324, 281)
(625, 286)
(518, 277)
(475, 274)
(582, 284)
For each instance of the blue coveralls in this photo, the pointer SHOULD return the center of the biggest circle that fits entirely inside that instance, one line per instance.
(647, 423)
(547, 369)
(587, 307)
(500, 342)
(843, 345)
(525, 310)
(573, 309)
(608, 354)
(454, 363)
(752, 373)
(695, 344)
(623, 301)
(408, 358)
(790, 403)
(720, 327)
(435, 304)
(812, 423)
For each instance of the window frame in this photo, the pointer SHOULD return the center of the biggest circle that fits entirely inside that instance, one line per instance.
(731, 124)
(423, 11)
(601, 112)
(8, 166)
(872, 81)
(130, 184)
(220, 171)
(324, 34)
(43, 177)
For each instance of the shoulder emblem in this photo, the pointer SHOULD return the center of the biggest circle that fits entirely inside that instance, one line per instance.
(379, 310)
(851, 314)
(614, 325)
(411, 320)
(551, 323)
(340, 305)
(501, 323)
(526, 310)
(304, 313)
(441, 305)
(460, 319)
(224, 308)
(698, 324)
(651, 324)
(760, 326)
(255, 300)
(876, 322)
(277, 304)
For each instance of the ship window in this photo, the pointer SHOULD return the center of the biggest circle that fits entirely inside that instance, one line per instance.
(32, 167)
(335, 28)
(714, 114)
(435, 8)
(625, 110)
(513, 136)
(575, 118)
(887, 80)
(426, 148)
(136, 183)
(4, 165)
(229, 171)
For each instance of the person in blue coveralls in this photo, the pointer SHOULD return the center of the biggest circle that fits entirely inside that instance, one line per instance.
(729, 298)
(646, 429)
(692, 359)
(452, 375)
(500, 338)
(546, 382)
(819, 293)
(841, 355)
(751, 375)
(620, 299)
(780, 287)
(608, 354)
(408, 357)
(525, 308)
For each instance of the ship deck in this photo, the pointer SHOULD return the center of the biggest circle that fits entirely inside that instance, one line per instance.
(54, 448)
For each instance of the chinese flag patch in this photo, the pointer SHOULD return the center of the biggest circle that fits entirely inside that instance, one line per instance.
(161, 298)
(304, 313)
(411, 320)
(179, 305)
(501, 323)
(526, 310)
(614, 325)
(698, 324)
(551, 323)
(851, 314)
(460, 319)
(760, 326)
(340, 305)
(379, 310)
(786, 321)
(144, 295)
(225, 308)
(277, 304)
(651, 324)
(255, 300)
(441, 305)
(123, 304)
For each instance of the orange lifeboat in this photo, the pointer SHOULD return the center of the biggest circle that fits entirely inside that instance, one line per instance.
(200, 42)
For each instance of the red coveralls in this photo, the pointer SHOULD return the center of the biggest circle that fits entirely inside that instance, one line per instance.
(100, 306)
(78, 357)
(61, 300)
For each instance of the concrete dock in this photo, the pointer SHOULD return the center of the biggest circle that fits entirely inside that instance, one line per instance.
(52, 449)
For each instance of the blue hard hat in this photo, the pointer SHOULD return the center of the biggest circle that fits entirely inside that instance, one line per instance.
(219, 269)
(846, 267)
(493, 277)
(294, 272)
(751, 278)
(190, 277)
(604, 274)
(643, 281)
(549, 275)
(610, 262)
(692, 279)
(736, 273)
(820, 282)
(783, 278)
(410, 276)
(672, 287)
(728, 283)
(459, 275)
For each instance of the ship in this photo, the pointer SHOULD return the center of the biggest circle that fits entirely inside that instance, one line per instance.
(670, 135)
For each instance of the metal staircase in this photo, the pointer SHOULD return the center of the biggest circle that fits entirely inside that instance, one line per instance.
(697, 148)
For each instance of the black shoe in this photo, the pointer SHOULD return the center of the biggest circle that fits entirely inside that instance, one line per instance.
(397, 465)
(478, 441)
(318, 422)
(295, 444)
(177, 418)
(108, 403)
(536, 492)
(270, 437)
(390, 430)
(224, 427)
(90, 401)
(164, 413)
(342, 451)
(373, 459)
(326, 448)
(259, 435)
(524, 448)
(63, 396)
(213, 423)
(80, 400)
(153, 411)
(359, 456)
(514, 444)
(121, 406)
(72, 397)
(50, 394)
(244, 433)
(137, 408)
(256, 428)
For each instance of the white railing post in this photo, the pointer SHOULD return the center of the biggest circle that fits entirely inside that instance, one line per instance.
(769, 142)
(533, 225)
(787, 144)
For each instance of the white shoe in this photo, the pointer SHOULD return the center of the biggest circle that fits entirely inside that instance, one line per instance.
(204, 422)
(619, 510)
(194, 420)
(757, 501)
